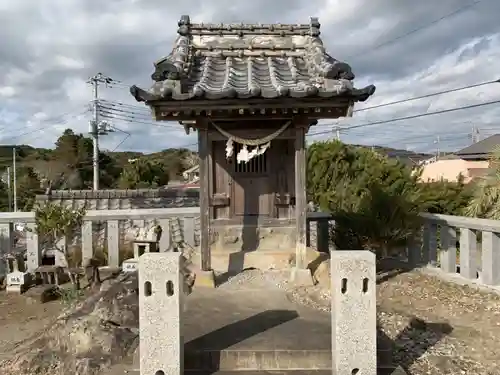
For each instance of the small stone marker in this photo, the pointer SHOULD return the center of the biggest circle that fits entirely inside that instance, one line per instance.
(17, 281)
(354, 317)
(160, 308)
(130, 265)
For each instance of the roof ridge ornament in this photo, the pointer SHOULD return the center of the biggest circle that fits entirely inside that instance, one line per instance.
(314, 27)
(184, 25)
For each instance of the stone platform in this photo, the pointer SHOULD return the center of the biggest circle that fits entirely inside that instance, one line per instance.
(252, 331)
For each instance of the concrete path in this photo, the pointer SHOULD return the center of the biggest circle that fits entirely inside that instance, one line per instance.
(252, 331)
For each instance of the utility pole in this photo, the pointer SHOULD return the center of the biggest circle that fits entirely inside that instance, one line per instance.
(9, 189)
(337, 132)
(14, 178)
(438, 152)
(475, 134)
(95, 125)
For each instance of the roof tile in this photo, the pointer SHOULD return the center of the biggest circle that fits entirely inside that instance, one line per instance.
(220, 61)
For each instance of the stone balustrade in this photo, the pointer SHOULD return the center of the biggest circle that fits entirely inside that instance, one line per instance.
(468, 246)
(179, 225)
(460, 244)
(455, 244)
(12, 246)
(113, 229)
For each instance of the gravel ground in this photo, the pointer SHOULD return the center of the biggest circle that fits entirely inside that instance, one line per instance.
(433, 327)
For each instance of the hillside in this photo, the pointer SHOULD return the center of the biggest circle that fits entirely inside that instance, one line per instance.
(23, 151)
(29, 156)
(406, 157)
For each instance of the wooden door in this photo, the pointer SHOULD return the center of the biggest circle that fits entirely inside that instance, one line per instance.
(251, 196)
(251, 187)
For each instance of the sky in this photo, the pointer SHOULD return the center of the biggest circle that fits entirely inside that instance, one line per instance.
(406, 48)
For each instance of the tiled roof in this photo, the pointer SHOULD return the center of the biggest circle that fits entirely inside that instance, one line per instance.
(222, 61)
(480, 149)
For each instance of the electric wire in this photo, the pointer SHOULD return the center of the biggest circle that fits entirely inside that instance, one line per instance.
(416, 30)
(449, 110)
(45, 127)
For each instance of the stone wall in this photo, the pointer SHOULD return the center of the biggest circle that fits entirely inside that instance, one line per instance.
(123, 199)
(231, 238)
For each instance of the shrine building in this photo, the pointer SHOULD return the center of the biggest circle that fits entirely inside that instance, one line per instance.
(251, 92)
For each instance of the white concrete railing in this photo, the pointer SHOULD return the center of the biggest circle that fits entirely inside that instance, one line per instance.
(178, 225)
(474, 242)
(108, 228)
(7, 245)
(446, 238)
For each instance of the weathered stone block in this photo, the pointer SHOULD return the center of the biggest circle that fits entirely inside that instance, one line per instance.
(251, 238)
(354, 320)
(205, 279)
(160, 311)
(301, 276)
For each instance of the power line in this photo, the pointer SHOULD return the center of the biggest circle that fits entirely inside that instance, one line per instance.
(127, 111)
(113, 103)
(134, 120)
(424, 140)
(416, 30)
(417, 98)
(113, 150)
(46, 126)
(428, 95)
(413, 116)
(129, 116)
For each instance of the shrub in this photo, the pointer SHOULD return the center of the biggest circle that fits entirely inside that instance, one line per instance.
(374, 200)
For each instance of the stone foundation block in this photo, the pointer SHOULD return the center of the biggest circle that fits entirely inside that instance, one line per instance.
(205, 279)
(301, 276)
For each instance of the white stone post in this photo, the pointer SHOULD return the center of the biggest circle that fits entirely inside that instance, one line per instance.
(354, 318)
(160, 311)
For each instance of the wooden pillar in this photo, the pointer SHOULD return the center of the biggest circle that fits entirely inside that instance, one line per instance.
(300, 194)
(204, 171)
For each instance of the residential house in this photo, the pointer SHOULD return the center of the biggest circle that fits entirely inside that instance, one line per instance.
(470, 162)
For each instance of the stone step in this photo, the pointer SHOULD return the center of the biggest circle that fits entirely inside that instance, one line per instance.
(249, 361)
(263, 372)
(252, 360)
(380, 371)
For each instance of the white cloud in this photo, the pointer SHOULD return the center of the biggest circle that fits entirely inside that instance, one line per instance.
(68, 62)
(7, 91)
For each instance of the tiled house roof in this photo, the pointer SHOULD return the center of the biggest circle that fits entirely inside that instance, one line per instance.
(481, 149)
(225, 61)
